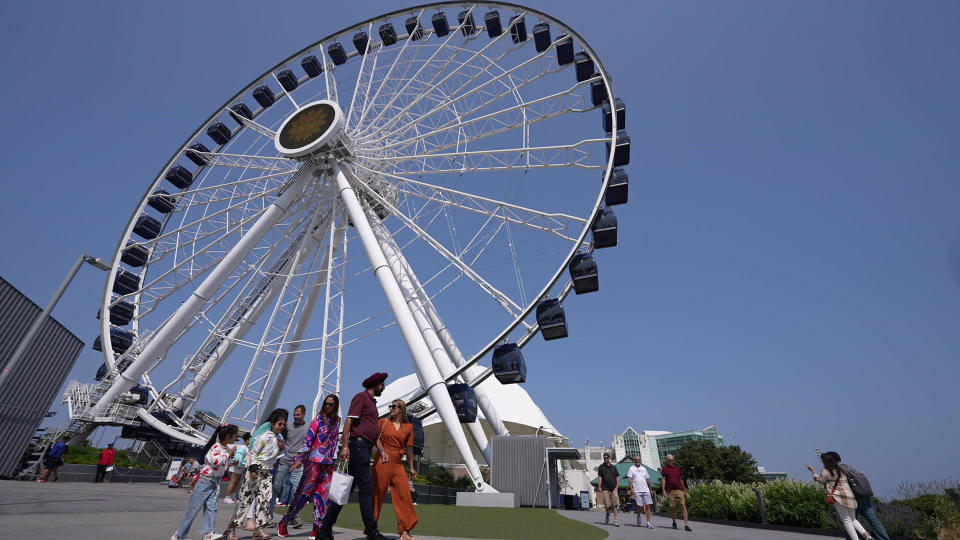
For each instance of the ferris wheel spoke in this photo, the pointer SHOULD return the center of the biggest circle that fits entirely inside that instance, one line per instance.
(558, 224)
(244, 161)
(429, 63)
(471, 68)
(504, 300)
(520, 116)
(494, 88)
(368, 101)
(585, 154)
(359, 87)
(250, 124)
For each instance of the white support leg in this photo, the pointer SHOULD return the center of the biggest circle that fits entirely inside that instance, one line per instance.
(440, 356)
(427, 371)
(483, 399)
(305, 314)
(337, 234)
(164, 338)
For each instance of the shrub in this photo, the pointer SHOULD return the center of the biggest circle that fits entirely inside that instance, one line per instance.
(790, 502)
(710, 501)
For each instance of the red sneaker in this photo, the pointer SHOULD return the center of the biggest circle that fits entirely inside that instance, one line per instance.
(282, 529)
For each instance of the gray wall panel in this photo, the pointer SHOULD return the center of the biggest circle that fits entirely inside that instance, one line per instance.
(28, 393)
(518, 467)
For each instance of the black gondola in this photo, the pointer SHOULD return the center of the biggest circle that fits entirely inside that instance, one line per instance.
(264, 96)
(126, 282)
(551, 319)
(135, 256)
(464, 401)
(468, 25)
(621, 154)
(564, 50)
(414, 30)
(120, 341)
(584, 66)
(239, 111)
(311, 66)
(583, 272)
(541, 37)
(387, 34)
(608, 116)
(147, 227)
(336, 53)
(179, 176)
(288, 80)
(121, 313)
(193, 155)
(518, 29)
(617, 188)
(508, 364)
(360, 42)
(598, 91)
(163, 202)
(219, 133)
(604, 229)
(418, 436)
(492, 21)
(441, 26)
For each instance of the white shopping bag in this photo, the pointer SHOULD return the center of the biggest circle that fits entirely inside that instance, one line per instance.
(340, 487)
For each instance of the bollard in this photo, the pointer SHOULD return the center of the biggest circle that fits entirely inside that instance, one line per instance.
(763, 509)
(954, 494)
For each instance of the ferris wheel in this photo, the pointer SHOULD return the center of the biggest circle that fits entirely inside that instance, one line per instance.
(440, 176)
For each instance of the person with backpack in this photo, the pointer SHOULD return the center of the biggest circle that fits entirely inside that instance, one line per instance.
(54, 459)
(864, 495)
(839, 494)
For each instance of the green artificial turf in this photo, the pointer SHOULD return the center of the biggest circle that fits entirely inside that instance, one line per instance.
(468, 522)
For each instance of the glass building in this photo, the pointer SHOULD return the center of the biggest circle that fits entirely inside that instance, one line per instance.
(669, 443)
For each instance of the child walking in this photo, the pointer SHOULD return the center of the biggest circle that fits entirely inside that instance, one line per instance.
(205, 495)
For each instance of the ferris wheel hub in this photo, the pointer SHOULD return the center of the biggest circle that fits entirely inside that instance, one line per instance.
(317, 127)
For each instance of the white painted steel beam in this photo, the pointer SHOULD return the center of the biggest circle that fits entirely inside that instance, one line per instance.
(427, 371)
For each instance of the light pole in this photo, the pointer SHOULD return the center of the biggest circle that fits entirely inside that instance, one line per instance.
(35, 327)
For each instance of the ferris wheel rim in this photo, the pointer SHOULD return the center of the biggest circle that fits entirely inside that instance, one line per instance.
(318, 45)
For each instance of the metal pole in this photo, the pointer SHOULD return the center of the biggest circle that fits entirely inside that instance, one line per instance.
(427, 371)
(35, 327)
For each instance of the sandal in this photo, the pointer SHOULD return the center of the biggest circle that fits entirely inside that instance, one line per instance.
(260, 534)
(230, 533)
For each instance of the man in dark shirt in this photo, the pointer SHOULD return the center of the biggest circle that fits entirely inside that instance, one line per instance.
(675, 489)
(607, 486)
(360, 433)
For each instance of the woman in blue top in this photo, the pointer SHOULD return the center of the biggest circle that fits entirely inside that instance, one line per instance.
(54, 459)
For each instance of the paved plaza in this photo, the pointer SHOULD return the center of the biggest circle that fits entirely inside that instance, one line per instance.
(76, 510)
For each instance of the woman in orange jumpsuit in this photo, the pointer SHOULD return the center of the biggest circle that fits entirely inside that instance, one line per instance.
(396, 438)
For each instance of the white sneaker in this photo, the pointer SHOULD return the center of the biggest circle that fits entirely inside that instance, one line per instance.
(175, 537)
(616, 522)
(212, 536)
(229, 500)
(649, 526)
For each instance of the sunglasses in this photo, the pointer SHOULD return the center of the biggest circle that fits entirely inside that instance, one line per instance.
(394, 406)
(329, 404)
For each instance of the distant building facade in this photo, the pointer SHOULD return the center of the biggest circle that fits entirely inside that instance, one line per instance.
(653, 446)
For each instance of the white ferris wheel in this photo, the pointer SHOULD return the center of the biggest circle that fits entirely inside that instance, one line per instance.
(440, 172)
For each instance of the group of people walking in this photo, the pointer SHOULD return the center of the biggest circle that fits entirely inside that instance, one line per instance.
(850, 494)
(641, 490)
(297, 463)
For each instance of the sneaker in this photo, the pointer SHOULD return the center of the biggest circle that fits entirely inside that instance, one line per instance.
(606, 518)
(175, 537)
(229, 500)
(282, 530)
(649, 526)
(212, 536)
(280, 504)
(41, 480)
(639, 523)
(674, 524)
(687, 528)
(295, 522)
(616, 522)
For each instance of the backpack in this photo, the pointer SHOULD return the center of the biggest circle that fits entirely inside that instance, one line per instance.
(858, 481)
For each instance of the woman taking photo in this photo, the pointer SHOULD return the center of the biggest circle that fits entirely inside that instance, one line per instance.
(396, 439)
(839, 492)
(258, 484)
(318, 457)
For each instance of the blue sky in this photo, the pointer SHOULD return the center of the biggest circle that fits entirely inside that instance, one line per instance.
(789, 262)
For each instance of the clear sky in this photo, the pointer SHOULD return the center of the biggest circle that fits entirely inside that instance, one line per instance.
(789, 262)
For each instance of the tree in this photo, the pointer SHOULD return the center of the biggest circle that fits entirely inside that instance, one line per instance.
(705, 461)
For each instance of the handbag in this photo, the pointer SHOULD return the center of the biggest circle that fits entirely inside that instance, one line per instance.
(829, 496)
(340, 486)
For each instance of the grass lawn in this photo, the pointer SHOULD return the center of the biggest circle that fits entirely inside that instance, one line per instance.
(468, 522)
